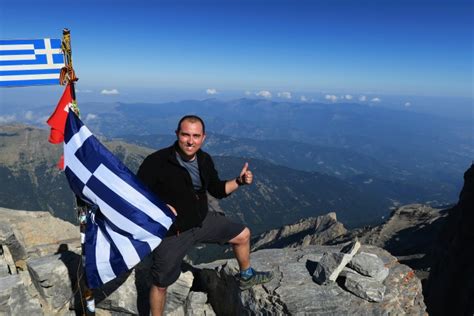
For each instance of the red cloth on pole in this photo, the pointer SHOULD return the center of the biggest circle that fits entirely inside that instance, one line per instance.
(57, 120)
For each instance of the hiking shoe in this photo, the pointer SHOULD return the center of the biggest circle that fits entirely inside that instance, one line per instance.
(257, 278)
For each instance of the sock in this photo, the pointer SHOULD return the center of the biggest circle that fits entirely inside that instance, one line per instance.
(246, 274)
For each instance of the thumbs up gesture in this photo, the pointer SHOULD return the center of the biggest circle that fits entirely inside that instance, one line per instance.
(246, 176)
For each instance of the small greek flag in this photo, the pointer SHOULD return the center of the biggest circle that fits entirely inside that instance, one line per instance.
(30, 62)
(129, 222)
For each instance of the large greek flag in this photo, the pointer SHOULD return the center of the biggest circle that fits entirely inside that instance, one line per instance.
(130, 221)
(30, 62)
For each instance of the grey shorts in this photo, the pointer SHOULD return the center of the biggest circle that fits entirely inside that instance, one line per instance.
(168, 256)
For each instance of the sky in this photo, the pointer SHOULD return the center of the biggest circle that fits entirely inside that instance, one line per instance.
(300, 50)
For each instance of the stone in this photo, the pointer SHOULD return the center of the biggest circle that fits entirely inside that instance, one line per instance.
(196, 305)
(54, 277)
(15, 299)
(364, 287)
(293, 292)
(28, 234)
(177, 294)
(369, 265)
(331, 264)
(8, 259)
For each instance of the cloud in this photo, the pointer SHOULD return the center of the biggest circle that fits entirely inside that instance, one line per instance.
(248, 92)
(7, 118)
(376, 99)
(284, 95)
(348, 97)
(331, 97)
(211, 91)
(109, 92)
(303, 98)
(264, 93)
(362, 98)
(29, 115)
(407, 104)
(91, 116)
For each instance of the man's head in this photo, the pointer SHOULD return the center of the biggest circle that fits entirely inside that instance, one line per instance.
(191, 133)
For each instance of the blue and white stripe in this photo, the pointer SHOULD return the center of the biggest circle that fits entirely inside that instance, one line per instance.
(30, 62)
(130, 222)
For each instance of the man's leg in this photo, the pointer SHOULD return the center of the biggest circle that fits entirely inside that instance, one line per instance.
(241, 246)
(157, 300)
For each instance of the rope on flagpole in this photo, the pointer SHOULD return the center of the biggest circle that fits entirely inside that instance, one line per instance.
(68, 77)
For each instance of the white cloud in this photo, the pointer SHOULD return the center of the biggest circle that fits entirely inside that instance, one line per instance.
(362, 98)
(109, 92)
(248, 92)
(91, 116)
(376, 99)
(348, 97)
(264, 93)
(211, 91)
(29, 115)
(407, 104)
(284, 95)
(331, 97)
(7, 118)
(303, 98)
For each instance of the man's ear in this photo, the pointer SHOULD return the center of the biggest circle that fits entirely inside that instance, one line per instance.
(203, 137)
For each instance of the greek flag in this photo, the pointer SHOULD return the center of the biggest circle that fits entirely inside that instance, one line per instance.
(129, 222)
(30, 62)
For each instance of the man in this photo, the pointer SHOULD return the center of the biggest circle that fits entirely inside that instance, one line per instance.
(180, 176)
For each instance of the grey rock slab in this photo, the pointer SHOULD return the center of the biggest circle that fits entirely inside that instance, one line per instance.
(177, 294)
(365, 287)
(332, 263)
(196, 305)
(369, 265)
(15, 299)
(121, 295)
(54, 277)
(293, 292)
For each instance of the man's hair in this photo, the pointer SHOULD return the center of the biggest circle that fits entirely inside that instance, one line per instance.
(192, 119)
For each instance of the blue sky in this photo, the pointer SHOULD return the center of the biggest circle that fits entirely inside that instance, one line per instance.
(316, 49)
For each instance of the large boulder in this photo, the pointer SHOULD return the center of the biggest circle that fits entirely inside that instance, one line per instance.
(15, 298)
(450, 287)
(36, 234)
(292, 291)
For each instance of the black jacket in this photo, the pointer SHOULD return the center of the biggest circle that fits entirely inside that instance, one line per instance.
(171, 182)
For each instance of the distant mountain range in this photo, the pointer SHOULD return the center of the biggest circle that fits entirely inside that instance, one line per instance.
(278, 196)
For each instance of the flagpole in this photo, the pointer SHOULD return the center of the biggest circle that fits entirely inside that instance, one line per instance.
(68, 77)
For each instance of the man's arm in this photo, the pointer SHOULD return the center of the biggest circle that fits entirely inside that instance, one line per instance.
(245, 178)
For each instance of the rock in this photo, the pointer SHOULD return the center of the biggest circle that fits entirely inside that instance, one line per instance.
(369, 265)
(309, 231)
(331, 264)
(15, 299)
(177, 294)
(8, 259)
(120, 295)
(196, 305)
(293, 292)
(54, 277)
(450, 287)
(364, 287)
(29, 234)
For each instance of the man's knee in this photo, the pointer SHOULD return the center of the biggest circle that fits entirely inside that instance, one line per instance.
(158, 290)
(242, 238)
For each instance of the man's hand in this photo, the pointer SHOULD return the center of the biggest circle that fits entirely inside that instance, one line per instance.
(246, 176)
(172, 209)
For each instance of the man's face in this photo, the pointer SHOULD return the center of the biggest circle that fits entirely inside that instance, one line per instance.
(190, 138)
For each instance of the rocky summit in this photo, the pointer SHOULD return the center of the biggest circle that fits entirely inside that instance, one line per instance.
(40, 274)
